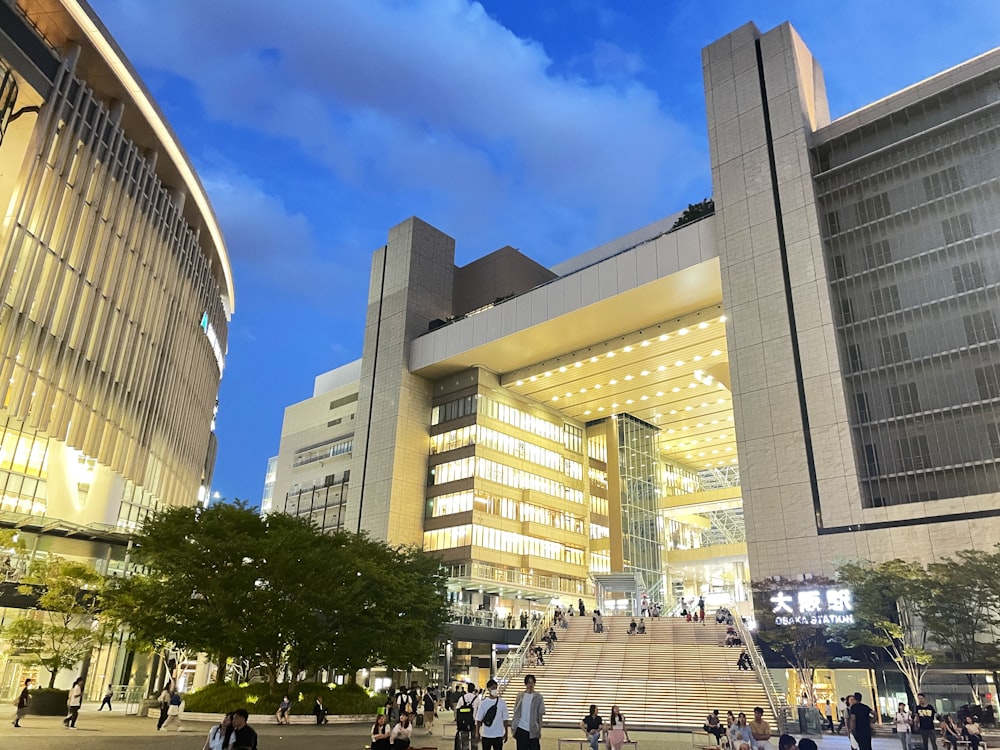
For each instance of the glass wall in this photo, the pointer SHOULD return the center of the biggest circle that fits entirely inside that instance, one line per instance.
(911, 235)
(640, 471)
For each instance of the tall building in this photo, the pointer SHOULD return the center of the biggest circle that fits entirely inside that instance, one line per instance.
(115, 297)
(809, 375)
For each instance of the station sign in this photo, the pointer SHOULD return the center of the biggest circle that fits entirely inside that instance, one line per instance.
(815, 606)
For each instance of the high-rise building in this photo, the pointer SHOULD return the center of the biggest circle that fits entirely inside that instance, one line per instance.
(115, 296)
(810, 374)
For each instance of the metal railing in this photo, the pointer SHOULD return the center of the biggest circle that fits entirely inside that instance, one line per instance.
(775, 700)
(515, 661)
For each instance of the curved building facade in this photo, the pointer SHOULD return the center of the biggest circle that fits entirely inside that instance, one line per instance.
(115, 285)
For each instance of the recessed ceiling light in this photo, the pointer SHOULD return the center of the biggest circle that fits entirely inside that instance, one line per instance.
(600, 408)
(729, 418)
(610, 355)
(659, 393)
(548, 374)
(555, 398)
(593, 359)
(692, 385)
(729, 449)
(715, 451)
(685, 427)
(597, 386)
(578, 364)
(629, 401)
(671, 430)
(586, 412)
(716, 352)
(679, 363)
(644, 398)
(614, 406)
(703, 404)
(675, 389)
(568, 394)
(722, 318)
(688, 407)
(697, 358)
(645, 343)
(683, 332)
(673, 411)
(533, 378)
(562, 369)
(644, 372)
(628, 377)
(519, 382)
(661, 368)
(700, 424)
(613, 382)
(583, 390)
(664, 337)
(703, 325)
(627, 349)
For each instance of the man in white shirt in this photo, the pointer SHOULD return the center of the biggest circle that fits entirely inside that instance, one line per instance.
(529, 708)
(493, 718)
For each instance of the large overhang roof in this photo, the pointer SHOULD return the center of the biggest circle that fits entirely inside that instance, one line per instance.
(105, 68)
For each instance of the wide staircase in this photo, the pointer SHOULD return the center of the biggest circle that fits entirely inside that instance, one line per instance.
(668, 679)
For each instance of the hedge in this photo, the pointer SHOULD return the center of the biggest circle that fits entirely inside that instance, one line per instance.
(257, 698)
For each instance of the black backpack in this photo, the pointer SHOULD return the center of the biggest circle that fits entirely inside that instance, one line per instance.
(465, 720)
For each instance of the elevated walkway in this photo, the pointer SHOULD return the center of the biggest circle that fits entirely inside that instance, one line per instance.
(668, 679)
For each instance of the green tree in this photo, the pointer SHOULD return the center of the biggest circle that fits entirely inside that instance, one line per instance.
(60, 630)
(960, 605)
(887, 600)
(695, 211)
(198, 592)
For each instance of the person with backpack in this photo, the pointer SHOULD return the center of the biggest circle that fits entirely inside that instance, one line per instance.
(465, 718)
(493, 718)
(174, 710)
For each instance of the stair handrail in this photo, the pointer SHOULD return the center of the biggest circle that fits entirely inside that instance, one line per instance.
(774, 699)
(514, 662)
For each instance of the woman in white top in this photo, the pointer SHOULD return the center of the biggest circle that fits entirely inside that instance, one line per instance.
(217, 734)
(400, 735)
(904, 724)
(75, 701)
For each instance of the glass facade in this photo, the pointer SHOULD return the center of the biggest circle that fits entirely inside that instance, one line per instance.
(911, 234)
(640, 476)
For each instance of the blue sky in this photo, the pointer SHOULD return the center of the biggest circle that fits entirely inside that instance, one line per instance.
(549, 125)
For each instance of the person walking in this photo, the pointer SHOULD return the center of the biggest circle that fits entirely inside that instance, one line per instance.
(493, 718)
(164, 701)
(859, 720)
(218, 735)
(592, 724)
(923, 722)
(24, 699)
(904, 723)
(174, 710)
(529, 708)
(841, 714)
(618, 732)
(430, 711)
(74, 703)
(107, 698)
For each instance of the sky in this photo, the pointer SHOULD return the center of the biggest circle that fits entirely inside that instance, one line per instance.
(549, 125)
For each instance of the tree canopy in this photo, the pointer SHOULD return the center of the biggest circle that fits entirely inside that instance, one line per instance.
(279, 592)
(695, 211)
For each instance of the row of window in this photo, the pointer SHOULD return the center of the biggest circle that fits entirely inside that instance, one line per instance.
(22, 452)
(505, 507)
(904, 398)
(327, 450)
(504, 443)
(464, 468)
(501, 541)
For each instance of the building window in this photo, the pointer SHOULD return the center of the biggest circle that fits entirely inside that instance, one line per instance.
(895, 348)
(968, 276)
(903, 399)
(861, 406)
(980, 327)
(453, 410)
(854, 362)
(871, 209)
(831, 222)
(839, 266)
(846, 310)
(573, 438)
(942, 183)
(988, 381)
(871, 460)
(877, 254)
(914, 453)
(885, 300)
(957, 228)
(993, 431)
(334, 422)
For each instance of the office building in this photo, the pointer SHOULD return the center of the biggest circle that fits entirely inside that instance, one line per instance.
(115, 297)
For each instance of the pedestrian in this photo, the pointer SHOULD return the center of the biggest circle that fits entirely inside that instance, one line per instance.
(244, 737)
(107, 698)
(493, 718)
(319, 711)
(592, 724)
(283, 708)
(381, 733)
(701, 609)
(904, 722)
(973, 732)
(73, 704)
(430, 711)
(580, 605)
(400, 734)
(923, 722)
(529, 708)
(219, 734)
(760, 730)
(740, 737)
(842, 715)
(860, 722)
(828, 713)
(713, 726)
(25, 698)
(174, 710)
(618, 732)
(164, 701)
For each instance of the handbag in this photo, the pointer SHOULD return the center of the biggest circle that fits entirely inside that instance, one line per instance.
(854, 742)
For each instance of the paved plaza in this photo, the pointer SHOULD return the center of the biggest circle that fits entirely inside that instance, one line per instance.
(113, 731)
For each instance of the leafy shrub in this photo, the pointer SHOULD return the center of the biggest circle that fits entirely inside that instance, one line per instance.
(48, 702)
(257, 699)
